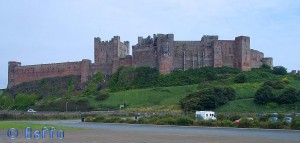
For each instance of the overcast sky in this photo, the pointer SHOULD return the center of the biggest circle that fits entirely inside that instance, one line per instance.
(52, 31)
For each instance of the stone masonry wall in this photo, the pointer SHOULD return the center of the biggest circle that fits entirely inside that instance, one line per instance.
(107, 53)
(242, 53)
(160, 51)
(224, 53)
(256, 58)
(19, 74)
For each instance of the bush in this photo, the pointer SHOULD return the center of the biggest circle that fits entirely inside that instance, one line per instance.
(265, 66)
(208, 98)
(112, 119)
(143, 77)
(280, 70)
(264, 95)
(221, 117)
(89, 119)
(288, 96)
(278, 85)
(225, 123)
(184, 121)
(168, 120)
(143, 120)
(296, 123)
(272, 125)
(240, 78)
(103, 95)
(99, 118)
(245, 123)
(23, 101)
(234, 117)
(209, 123)
(93, 86)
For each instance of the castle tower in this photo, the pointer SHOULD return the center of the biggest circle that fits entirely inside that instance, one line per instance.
(85, 70)
(165, 48)
(268, 61)
(242, 53)
(108, 53)
(97, 52)
(11, 73)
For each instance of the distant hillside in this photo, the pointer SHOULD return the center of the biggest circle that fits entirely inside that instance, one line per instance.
(144, 89)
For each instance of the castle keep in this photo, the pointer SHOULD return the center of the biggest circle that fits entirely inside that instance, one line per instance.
(159, 51)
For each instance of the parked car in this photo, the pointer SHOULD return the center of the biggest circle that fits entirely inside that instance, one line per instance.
(287, 115)
(273, 119)
(287, 119)
(239, 120)
(297, 114)
(273, 113)
(31, 111)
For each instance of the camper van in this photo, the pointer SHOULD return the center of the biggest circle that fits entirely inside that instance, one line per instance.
(205, 115)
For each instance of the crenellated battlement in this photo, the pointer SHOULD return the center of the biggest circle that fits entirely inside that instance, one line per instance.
(19, 74)
(160, 51)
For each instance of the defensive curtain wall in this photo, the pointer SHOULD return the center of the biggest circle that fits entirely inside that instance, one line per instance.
(18, 74)
(159, 51)
(165, 54)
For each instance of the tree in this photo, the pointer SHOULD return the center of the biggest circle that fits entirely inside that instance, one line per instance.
(240, 78)
(280, 70)
(102, 95)
(208, 98)
(265, 66)
(264, 95)
(288, 96)
(229, 93)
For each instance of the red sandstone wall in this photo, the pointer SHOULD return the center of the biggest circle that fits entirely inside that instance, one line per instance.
(256, 58)
(150, 53)
(144, 57)
(38, 72)
(224, 53)
(104, 68)
(243, 54)
(107, 53)
(125, 62)
(165, 64)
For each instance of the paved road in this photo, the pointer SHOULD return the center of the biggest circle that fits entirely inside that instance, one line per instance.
(119, 133)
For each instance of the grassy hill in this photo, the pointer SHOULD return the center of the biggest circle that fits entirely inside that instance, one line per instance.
(144, 89)
(151, 99)
(167, 98)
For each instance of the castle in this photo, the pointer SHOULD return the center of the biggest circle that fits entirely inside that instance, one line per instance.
(159, 51)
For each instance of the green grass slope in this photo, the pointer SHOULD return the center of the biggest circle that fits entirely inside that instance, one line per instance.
(151, 99)
(167, 98)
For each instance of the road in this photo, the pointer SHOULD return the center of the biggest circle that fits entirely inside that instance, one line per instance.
(128, 133)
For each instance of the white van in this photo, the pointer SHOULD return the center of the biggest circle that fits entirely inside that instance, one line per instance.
(205, 115)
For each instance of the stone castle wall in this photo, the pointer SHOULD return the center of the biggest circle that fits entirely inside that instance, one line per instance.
(108, 53)
(165, 54)
(19, 74)
(160, 51)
